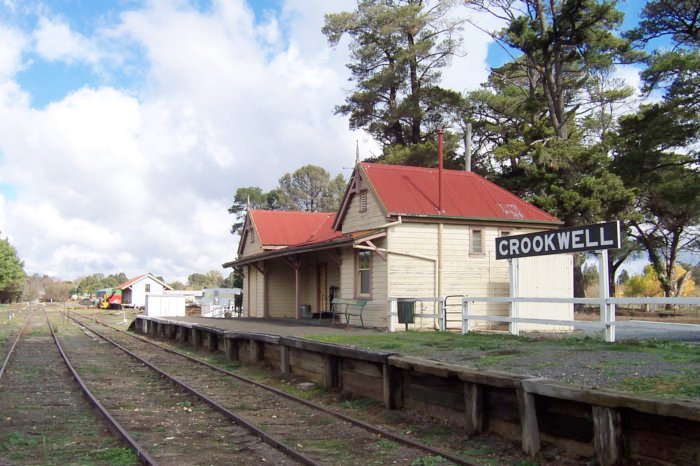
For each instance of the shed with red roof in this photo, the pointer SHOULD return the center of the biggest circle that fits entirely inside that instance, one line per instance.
(397, 234)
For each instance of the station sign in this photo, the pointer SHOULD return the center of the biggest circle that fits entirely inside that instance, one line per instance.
(573, 239)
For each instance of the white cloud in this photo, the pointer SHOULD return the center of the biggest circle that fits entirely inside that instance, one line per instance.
(469, 70)
(12, 44)
(138, 179)
(55, 41)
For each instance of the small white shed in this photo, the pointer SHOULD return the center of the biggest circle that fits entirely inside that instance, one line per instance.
(135, 290)
(159, 305)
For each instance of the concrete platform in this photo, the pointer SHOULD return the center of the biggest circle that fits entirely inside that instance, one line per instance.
(281, 327)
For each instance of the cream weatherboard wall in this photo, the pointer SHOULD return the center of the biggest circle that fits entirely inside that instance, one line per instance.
(466, 273)
(376, 311)
(281, 295)
(253, 282)
(355, 220)
(252, 245)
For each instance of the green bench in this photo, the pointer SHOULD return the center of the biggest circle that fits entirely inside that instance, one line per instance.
(348, 307)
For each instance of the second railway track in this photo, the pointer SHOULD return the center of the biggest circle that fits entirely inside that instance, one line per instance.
(322, 435)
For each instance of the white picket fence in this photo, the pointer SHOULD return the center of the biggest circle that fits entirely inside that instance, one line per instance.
(606, 323)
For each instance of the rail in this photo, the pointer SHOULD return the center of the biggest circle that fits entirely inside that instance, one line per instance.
(265, 437)
(370, 428)
(12, 348)
(114, 426)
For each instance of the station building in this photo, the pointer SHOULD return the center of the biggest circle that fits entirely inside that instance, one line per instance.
(401, 232)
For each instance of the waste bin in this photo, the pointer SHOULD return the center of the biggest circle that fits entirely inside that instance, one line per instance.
(407, 311)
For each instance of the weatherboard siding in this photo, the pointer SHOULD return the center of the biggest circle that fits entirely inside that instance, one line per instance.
(469, 274)
(253, 293)
(463, 272)
(250, 247)
(375, 313)
(546, 277)
(282, 293)
(357, 221)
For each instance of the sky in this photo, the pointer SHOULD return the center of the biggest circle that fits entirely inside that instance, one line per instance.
(126, 126)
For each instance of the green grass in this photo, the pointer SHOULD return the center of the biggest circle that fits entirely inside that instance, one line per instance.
(327, 445)
(683, 385)
(431, 460)
(387, 444)
(358, 403)
(426, 343)
(17, 439)
(117, 456)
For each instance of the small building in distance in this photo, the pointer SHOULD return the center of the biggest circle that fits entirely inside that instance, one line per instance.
(134, 291)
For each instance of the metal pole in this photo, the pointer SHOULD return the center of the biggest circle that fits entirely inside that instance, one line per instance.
(514, 311)
(468, 149)
(465, 313)
(392, 311)
(607, 313)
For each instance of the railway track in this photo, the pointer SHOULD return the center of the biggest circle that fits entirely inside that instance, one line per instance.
(321, 435)
(44, 419)
(169, 422)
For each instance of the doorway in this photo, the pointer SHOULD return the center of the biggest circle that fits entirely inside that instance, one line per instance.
(322, 290)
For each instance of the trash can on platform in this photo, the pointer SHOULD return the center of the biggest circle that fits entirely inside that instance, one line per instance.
(407, 311)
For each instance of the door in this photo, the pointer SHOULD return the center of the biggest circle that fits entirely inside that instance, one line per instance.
(322, 291)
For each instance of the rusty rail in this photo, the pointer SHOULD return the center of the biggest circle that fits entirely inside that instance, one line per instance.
(114, 426)
(369, 427)
(265, 437)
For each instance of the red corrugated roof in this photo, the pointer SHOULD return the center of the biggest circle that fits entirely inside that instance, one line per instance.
(289, 228)
(130, 282)
(414, 191)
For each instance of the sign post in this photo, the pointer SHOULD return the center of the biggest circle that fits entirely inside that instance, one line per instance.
(598, 237)
(514, 311)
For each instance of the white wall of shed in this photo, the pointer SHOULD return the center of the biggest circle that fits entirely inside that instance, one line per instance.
(138, 291)
(159, 305)
(546, 277)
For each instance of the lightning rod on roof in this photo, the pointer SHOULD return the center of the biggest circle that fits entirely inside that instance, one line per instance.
(357, 152)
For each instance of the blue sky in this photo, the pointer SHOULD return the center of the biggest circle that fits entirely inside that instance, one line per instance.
(126, 126)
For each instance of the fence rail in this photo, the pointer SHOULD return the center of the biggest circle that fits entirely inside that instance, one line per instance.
(607, 318)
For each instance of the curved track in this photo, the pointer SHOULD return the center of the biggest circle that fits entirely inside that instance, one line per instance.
(327, 436)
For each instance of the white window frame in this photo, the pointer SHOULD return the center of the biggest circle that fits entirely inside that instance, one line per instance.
(358, 274)
(482, 249)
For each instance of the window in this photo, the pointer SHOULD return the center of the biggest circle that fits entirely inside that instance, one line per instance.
(148, 287)
(477, 242)
(505, 233)
(363, 201)
(364, 277)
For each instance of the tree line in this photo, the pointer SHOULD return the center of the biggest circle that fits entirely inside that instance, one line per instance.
(310, 188)
(51, 289)
(552, 124)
